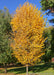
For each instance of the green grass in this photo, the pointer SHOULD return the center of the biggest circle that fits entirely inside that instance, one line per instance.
(42, 69)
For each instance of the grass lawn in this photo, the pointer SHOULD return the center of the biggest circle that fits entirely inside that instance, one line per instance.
(40, 69)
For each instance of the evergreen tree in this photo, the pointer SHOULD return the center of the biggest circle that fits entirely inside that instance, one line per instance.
(5, 29)
(48, 5)
(49, 44)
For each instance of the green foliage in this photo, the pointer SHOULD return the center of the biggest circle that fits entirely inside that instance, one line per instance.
(52, 42)
(5, 18)
(47, 4)
(5, 52)
(5, 29)
(49, 44)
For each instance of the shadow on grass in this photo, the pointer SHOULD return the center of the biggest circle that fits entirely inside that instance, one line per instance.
(34, 69)
(18, 70)
(42, 67)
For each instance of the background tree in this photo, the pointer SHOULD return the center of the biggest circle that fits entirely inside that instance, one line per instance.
(47, 33)
(5, 18)
(28, 26)
(48, 5)
(5, 52)
(5, 29)
(52, 41)
(49, 44)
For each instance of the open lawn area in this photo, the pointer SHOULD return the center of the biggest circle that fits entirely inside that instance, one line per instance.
(39, 69)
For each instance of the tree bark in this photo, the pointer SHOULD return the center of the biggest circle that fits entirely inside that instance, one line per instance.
(5, 66)
(26, 69)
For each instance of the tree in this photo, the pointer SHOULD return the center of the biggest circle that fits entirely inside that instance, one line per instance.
(48, 4)
(27, 26)
(5, 18)
(5, 28)
(47, 33)
(49, 44)
(52, 42)
(5, 52)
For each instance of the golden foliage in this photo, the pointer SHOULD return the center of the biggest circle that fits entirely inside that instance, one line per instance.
(27, 26)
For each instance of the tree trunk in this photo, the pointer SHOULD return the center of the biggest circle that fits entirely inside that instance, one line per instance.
(26, 69)
(5, 66)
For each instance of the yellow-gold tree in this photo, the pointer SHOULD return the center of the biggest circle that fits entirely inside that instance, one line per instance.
(28, 26)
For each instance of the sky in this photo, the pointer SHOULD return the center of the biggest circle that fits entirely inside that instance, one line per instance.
(13, 4)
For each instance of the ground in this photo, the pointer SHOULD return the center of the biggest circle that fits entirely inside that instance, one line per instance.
(39, 69)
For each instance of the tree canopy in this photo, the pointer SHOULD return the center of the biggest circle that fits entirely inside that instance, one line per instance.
(28, 26)
(5, 29)
(49, 44)
(48, 4)
(5, 18)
